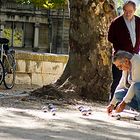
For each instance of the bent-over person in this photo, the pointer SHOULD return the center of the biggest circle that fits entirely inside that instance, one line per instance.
(124, 94)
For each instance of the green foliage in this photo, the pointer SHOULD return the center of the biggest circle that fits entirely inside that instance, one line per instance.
(17, 36)
(7, 34)
(138, 10)
(120, 3)
(49, 4)
(54, 4)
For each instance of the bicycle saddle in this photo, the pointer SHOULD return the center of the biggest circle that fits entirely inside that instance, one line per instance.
(4, 41)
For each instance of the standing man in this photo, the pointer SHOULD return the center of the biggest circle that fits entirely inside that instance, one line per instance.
(124, 34)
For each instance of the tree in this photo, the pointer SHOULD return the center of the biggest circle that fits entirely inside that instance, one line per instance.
(88, 71)
(45, 3)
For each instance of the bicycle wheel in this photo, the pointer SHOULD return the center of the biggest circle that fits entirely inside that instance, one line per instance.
(1, 72)
(9, 69)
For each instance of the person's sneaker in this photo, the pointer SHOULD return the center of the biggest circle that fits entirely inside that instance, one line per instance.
(137, 117)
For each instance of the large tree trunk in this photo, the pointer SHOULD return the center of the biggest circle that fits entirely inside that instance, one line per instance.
(88, 72)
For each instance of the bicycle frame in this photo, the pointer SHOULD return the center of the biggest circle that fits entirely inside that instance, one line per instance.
(3, 41)
(3, 53)
(7, 63)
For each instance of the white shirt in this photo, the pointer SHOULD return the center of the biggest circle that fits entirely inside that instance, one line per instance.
(131, 28)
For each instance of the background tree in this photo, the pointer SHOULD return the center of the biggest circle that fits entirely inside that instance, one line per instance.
(45, 3)
(87, 73)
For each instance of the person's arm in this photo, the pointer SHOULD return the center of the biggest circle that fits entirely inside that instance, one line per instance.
(120, 86)
(120, 107)
(111, 33)
(110, 108)
(122, 83)
(135, 72)
(114, 35)
(113, 101)
(130, 94)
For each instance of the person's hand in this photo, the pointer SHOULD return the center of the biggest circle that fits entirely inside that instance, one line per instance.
(120, 107)
(110, 108)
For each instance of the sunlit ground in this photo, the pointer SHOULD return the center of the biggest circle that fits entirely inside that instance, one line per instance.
(67, 124)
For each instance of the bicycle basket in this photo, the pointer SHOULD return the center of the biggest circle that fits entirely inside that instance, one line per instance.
(4, 41)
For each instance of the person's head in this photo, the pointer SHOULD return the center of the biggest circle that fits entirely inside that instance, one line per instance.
(129, 9)
(122, 60)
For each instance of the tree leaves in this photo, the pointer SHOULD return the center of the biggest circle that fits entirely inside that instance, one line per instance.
(49, 4)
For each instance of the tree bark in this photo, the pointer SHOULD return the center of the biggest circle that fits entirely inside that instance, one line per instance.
(88, 71)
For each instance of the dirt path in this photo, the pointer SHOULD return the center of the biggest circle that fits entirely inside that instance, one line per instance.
(24, 120)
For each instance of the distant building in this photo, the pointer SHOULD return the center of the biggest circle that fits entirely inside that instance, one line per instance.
(34, 29)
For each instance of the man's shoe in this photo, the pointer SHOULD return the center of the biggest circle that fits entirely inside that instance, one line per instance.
(137, 117)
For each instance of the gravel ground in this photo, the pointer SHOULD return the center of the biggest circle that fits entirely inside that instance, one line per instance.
(24, 119)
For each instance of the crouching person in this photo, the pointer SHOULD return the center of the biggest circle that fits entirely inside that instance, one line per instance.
(128, 89)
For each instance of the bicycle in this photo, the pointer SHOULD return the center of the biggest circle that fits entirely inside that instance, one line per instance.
(7, 64)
